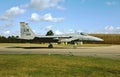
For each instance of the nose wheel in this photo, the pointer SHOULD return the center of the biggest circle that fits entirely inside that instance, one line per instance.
(50, 46)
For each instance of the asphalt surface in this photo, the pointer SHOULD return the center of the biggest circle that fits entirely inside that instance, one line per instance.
(112, 52)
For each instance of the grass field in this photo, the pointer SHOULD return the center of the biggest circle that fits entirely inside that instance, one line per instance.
(57, 66)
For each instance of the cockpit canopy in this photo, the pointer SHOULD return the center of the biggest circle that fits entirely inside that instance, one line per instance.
(82, 33)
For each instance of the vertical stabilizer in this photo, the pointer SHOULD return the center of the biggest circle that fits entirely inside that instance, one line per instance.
(26, 32)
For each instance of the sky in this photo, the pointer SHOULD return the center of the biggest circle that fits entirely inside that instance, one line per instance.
(61, 16)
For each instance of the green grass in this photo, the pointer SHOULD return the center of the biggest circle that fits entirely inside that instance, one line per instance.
(57, 66)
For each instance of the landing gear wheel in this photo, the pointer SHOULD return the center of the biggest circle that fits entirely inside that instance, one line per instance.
(50, 46)
(75, 45)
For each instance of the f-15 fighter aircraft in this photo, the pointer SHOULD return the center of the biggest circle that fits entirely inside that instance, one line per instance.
(28, 34)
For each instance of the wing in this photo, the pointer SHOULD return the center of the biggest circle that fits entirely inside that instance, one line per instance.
(69, 39)
(50, 39)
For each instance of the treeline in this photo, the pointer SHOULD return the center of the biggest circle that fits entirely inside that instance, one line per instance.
(14, 39)
(10, 39)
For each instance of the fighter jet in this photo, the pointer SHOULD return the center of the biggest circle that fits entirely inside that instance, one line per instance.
(28, 34)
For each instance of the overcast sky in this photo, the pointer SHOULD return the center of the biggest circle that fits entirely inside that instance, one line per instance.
(62, 16)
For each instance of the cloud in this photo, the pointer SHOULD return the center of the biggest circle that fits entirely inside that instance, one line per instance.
(111, 3)
(118, 28)
(35, 17)
(47, 17)
(109, 28)
(48, 27)
(71, 31)
(57, 32)
(112, 29)
(60, 8)
(43, 4)
(11, 13)
(9, 24)
(7, 32)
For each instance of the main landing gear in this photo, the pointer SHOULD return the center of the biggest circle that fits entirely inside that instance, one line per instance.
(50, 46)
(75, 45)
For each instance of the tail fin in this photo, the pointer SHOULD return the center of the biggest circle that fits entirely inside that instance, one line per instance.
(26, 32)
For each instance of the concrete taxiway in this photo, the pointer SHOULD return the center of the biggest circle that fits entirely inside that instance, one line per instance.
(112, 52)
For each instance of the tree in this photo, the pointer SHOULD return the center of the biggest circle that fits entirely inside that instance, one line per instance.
(50, 33)
(3, 39)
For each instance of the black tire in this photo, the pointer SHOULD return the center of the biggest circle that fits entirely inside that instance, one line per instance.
(50, 46)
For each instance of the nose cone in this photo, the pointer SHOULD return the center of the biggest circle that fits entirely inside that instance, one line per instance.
(97, 39)
(92, 38)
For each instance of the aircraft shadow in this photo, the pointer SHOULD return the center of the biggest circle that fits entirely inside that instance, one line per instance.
(38, 47)
(34, 47)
